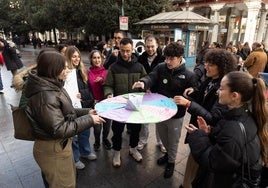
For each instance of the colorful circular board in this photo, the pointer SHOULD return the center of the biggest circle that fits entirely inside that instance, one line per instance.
(137, 108)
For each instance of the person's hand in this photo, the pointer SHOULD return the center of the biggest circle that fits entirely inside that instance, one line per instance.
(148, 91)
(78, 95)
(138, 85)
(180, 100)
(110, 96)
(190, 128)
(188, 91)
(98, 79)
(202, 124)
(97, 119)
(92, 112)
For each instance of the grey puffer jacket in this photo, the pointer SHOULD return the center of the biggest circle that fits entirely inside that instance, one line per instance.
(50, 110)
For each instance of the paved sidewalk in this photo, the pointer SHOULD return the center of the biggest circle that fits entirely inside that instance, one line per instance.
(18, 169)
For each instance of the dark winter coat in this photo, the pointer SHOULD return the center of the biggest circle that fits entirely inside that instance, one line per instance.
(87, 100)
(221, 152)
(143, 59)
(170, 82)
(122, 75)
(206, 103)
(50, 110)
(11, 58)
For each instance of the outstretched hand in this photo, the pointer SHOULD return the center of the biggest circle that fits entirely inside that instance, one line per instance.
(97, 119)
(138, 84)
(202, 124)
(190, 128)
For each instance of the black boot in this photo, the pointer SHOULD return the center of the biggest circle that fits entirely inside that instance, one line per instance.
(169, 170)
(107, 144)
(163, 160)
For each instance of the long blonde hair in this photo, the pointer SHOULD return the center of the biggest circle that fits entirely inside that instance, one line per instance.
(69, 53)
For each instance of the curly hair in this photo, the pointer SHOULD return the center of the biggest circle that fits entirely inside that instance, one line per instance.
(225, 61)
(173, 49)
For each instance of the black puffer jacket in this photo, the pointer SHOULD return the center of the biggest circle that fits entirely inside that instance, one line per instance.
(222, 152)
(170, 82)
(50, 110)
(85, 91)
(206, 103)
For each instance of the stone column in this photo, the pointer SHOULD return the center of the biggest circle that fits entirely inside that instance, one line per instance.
(262, 23)
(215, 31)
(253, 10)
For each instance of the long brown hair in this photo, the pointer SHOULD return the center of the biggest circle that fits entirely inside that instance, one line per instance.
(69, 53)
(253, 90)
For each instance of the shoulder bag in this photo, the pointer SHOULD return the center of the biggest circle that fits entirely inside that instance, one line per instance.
(247, 182)
(22, 127)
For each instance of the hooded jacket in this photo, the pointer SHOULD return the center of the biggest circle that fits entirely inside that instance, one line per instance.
(50, 111)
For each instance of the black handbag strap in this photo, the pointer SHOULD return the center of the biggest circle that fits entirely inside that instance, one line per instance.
(245, 152)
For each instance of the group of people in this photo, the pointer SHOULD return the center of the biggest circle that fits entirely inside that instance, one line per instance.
(227, 108)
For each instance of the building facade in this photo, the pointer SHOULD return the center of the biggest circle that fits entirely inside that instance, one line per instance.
(232, 21)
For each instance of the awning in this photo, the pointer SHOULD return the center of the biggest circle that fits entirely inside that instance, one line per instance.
(175, 17)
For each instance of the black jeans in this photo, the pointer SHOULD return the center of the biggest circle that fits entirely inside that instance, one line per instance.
(118, 129)
(105, 130)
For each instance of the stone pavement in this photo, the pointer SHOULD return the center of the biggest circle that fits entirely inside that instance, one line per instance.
(18, 169)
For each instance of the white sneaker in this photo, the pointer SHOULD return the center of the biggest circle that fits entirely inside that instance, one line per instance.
(116, 159)
(135, 154)
(140, 146)
(2, 91)
(79, 165)
(90, 157)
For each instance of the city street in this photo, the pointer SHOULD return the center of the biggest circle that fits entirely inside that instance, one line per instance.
(18, 169)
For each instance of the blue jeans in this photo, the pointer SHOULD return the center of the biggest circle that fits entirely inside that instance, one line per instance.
(1, 83)
(82, 145)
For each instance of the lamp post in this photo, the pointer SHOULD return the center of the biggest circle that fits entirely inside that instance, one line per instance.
(122, 9)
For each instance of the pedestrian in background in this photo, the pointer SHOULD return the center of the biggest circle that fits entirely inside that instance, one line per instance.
(54, 120)
(1, 64)
(11, 58)
(83, 98)
(112, 54)
(256, 60)
(61, 48)
(96, 77)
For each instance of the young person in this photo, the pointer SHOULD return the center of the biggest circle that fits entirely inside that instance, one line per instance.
(228, 154)
(82, 98)
(203, 101)
(170, 78)
(119, 80)
(96, 77)
(54, 120)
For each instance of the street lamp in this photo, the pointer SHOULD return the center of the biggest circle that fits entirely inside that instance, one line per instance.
(122, 9)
